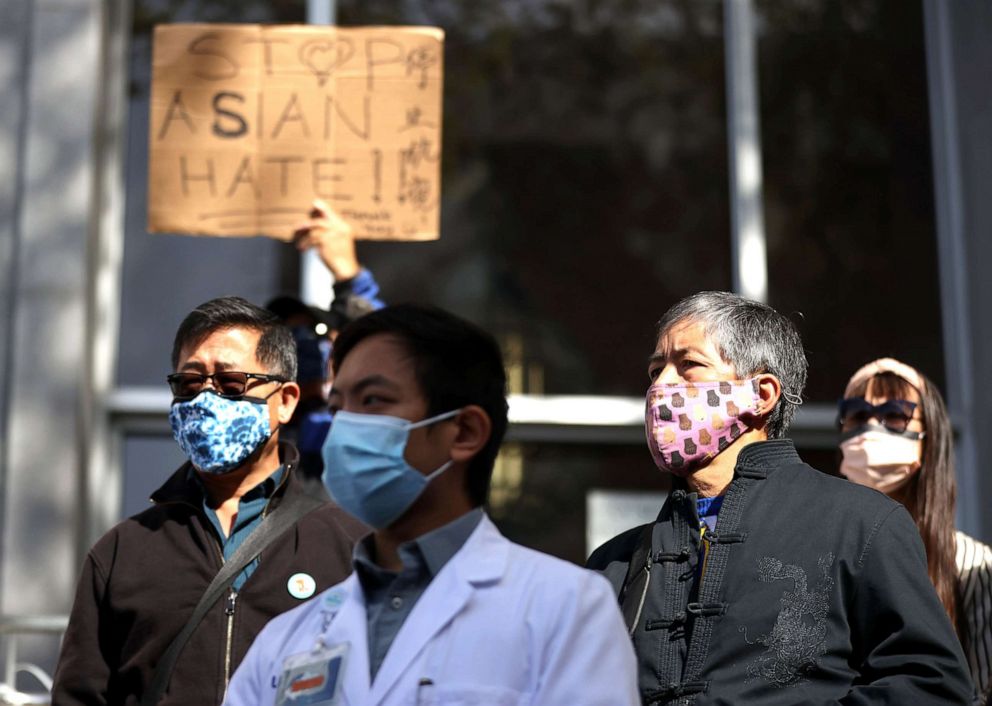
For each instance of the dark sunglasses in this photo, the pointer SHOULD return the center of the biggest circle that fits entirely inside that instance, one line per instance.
(856, 412)
(227, 383)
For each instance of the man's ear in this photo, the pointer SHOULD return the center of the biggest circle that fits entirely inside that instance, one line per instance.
(769, 392)
(287, 398)
(474, 430)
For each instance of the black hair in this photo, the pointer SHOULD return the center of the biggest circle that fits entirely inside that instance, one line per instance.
(276, 349)
(752, 337)
(456, 364)
(287, 306)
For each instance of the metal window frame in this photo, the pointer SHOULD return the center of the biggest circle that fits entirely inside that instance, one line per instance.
(316, 282)
(100, 439)
(579, 419)
(749, 261)
(952, 257)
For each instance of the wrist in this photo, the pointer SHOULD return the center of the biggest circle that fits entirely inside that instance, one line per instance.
(345, 270)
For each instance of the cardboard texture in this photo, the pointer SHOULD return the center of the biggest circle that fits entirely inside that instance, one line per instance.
(250, 123)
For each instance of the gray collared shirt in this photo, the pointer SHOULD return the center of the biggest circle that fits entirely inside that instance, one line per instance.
(390, 596)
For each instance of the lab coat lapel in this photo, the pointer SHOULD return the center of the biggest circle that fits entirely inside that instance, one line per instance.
(350, 624)
(482, 559)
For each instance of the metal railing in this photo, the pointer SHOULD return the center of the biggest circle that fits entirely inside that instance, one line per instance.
(13, 627)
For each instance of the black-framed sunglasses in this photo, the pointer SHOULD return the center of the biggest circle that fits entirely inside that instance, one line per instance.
(856, 412)
(232, 384)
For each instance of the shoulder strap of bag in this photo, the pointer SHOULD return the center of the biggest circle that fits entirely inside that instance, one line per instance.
(635, 583)
(272, 526)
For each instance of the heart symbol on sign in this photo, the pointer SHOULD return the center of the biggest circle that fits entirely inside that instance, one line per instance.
(322, 56)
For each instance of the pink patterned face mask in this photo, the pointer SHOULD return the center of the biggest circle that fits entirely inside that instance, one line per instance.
(690, 422)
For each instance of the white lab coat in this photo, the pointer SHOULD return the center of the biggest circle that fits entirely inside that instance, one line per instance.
(500, 625)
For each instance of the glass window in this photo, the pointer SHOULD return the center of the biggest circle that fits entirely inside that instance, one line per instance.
(539, 490)
(149, 460)
(584, 179)
(848, 186)
(584, 186)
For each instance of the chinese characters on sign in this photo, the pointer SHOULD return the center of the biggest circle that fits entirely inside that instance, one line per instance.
(250, 123)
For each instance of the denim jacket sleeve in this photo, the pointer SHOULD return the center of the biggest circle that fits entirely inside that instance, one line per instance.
(356, 296)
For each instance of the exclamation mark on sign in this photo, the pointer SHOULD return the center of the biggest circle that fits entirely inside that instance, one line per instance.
(377, 175)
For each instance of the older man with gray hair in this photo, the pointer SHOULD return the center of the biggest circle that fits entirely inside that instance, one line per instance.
(763, 581)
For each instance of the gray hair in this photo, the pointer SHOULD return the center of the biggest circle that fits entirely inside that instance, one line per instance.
(752, 337)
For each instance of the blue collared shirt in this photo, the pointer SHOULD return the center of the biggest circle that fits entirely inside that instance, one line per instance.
(390, 596)
(251, 505)
(708, 510)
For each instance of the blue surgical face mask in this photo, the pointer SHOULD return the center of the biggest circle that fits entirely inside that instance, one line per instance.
(219, 434)
(364, 468)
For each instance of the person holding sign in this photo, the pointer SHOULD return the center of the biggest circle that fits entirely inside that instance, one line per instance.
(170, 599)
(441, 608)
(355, 293)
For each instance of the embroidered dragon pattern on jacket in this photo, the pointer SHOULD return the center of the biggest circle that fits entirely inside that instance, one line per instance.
(799, 636)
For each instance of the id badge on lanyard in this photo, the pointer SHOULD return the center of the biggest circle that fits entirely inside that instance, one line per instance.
(313, 678)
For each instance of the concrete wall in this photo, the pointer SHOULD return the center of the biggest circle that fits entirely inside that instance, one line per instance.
(49, 69)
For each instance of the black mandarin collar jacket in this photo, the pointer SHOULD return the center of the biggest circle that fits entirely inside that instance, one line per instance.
(815, 591)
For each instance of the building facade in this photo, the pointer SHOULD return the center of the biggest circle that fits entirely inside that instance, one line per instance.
(601, 160)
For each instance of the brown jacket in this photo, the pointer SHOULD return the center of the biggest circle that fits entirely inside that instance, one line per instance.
(141, 581)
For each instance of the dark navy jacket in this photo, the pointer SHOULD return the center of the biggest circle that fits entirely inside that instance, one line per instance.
(815, 591)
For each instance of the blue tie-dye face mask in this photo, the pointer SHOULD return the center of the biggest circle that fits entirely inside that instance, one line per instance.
(219, 434)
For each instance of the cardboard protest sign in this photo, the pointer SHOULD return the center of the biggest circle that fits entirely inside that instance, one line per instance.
(250, 123)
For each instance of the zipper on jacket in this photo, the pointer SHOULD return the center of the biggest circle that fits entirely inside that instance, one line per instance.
(232, 599)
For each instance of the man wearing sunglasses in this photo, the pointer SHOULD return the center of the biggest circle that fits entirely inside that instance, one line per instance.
(355, 293)
(233, 388)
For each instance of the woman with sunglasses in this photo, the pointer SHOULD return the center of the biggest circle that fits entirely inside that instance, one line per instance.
(896, 437)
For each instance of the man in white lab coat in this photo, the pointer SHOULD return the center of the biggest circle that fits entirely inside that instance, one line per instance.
(441, 608)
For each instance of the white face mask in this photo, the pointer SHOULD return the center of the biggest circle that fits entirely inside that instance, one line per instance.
(880, 459)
